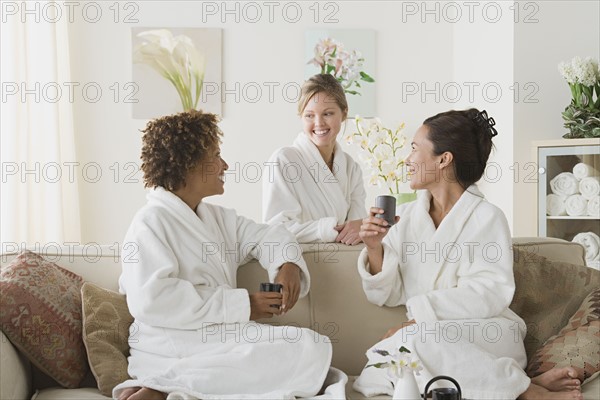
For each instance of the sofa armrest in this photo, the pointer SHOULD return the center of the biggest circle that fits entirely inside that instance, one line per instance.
(15, 379)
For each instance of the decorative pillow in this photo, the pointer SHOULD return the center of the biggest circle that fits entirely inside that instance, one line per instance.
(40, 313)
(577, 345)
(106, 322)
(547, 294)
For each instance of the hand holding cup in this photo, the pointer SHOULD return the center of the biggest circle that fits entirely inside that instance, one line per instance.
(381, 218)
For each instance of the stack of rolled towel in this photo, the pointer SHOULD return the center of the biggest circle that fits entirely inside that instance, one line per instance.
(591, 242)
(575, 193)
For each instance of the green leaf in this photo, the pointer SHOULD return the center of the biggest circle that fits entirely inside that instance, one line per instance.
(378, 365)
(381, 352)
(366, 77)
(404, 350)
(353, 92)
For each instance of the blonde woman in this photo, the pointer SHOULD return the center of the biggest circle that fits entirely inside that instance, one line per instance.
(317, 189)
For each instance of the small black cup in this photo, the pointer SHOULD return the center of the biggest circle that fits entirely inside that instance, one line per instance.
(271, 287)
(388, 204)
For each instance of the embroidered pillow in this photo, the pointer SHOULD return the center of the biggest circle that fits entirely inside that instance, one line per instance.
(547, 294)
(106, 322)
(40, 313)
(577, 345)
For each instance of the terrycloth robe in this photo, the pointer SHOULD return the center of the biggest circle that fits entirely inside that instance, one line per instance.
(457, 283)
(308, 198)
(191, 332)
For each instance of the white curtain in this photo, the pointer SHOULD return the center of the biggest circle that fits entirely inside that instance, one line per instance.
(39, 201)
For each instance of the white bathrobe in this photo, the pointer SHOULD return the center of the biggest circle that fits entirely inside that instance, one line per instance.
(457, 283)
(308, 198)
(192, 334)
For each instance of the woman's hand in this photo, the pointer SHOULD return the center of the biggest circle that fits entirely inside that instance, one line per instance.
(261, 302)
(391, 332)
(373, 229)
(372, 232)
(349, 232)
(289, 277)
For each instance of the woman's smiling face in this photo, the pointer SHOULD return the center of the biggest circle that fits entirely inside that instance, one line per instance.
(322, 120)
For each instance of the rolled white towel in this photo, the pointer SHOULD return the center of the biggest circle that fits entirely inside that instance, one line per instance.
(582, 170)
(589, 187)
(593, 208)
(591, 242)
(576, 205)
(555, 205)
(564, 184)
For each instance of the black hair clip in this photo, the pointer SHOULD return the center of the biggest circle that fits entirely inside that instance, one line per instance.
(482, 120)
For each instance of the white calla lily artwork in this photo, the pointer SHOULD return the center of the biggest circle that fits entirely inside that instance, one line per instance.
(176, 59)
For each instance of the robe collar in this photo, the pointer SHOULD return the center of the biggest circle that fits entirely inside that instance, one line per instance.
(448, 230)
(330, 184)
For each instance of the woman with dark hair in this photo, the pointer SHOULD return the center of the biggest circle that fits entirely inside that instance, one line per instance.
(449, 260)
(316, 190)
(194, 330)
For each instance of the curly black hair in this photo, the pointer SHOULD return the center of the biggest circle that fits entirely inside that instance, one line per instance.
(175, 144)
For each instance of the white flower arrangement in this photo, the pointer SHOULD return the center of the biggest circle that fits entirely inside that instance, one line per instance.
(344, 65)
(382, 151)
(580, 71)
(400, 362)
(582, 116)
(175, 58)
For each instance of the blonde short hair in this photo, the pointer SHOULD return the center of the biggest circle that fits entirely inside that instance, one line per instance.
(323, 83)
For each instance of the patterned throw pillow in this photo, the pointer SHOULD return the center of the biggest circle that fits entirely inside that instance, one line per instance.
(40, 313)
(106, 322)
(577, 345)
(547, 294)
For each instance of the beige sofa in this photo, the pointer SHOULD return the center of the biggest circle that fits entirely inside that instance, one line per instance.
(336, 306)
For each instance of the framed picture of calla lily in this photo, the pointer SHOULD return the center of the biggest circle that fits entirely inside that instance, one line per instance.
(176, 69)
(349, 55)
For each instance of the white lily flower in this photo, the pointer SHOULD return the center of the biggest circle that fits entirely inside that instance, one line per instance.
(176, 59)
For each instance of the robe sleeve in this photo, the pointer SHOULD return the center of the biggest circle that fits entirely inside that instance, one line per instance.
(359, 195)
(485, 284)
(281, 206)
(272, 246)
(386, 287)
(156, 296)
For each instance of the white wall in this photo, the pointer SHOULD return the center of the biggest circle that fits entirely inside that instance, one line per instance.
(261, 52)
(412, 49)
(483, 59)
(564, 29)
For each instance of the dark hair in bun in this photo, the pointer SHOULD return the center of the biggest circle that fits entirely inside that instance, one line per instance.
(468, 136)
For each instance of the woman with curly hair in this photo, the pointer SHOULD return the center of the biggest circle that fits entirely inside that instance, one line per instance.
(193, 329)
(316, 189)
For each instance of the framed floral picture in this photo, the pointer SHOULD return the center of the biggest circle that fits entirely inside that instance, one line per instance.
(349, 55)
(175, 69)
